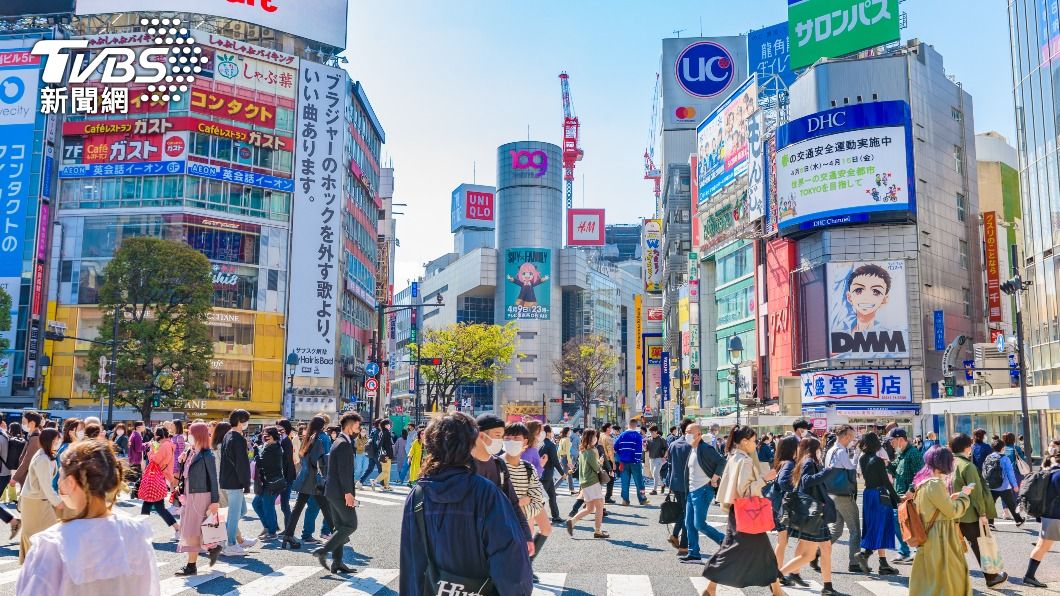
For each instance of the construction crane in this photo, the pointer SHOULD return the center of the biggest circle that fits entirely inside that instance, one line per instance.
(571, 152)
(650, 171)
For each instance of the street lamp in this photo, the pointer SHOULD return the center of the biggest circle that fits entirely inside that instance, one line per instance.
(735, 358)
(1014, 287)
(292, 365)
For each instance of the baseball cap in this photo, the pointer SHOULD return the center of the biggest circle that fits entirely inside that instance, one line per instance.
(897, 433)
(487, 422)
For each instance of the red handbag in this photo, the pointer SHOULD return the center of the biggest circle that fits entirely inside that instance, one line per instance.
(153, 485)
(754, 515)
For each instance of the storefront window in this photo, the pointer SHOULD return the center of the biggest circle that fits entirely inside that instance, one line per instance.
(232, 338)
(224, 245)
(733, 266)
(230, 379)
(235, 287)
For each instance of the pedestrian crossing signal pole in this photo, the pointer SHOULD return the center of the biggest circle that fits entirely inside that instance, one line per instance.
(1014, 287)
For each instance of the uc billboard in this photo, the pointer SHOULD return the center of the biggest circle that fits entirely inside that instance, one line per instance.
(846, 166)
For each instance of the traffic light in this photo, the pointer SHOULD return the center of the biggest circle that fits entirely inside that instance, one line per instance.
(430, 361)
(156, 403)
(951, 386)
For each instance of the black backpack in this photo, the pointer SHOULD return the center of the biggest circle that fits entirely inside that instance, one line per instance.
(15, 447)
(992, 471)
(1034, 492)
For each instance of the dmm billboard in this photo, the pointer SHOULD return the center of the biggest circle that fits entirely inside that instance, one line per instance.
(868, 310)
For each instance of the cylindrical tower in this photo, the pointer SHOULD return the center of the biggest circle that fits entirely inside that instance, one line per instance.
(529, 238)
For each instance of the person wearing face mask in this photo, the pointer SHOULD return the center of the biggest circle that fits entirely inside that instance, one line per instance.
(121, 441)
(677, 456)
(488, 444)
(526, 483)
(120, 558)
(73, 431)
(843, 488)
(801, 427)
(704, 469)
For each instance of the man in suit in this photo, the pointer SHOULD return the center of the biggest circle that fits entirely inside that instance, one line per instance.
(550, 455)
(677, 456)
(340, 492)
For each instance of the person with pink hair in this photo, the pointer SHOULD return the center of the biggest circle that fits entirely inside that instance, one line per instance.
(527, 278)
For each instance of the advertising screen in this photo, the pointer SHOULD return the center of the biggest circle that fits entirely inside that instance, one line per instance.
(868, 310)
(845, 166)
(527, 284)
(833, 28)
(848, 385)
(767, 53)
(698, 73)
(721, 141)
(316, 21)
(585, 227)
(316, 228)
(651, 250)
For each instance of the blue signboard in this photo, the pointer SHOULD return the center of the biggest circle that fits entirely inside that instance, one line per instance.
(767, 53)
(665, 380)
(940, 331)
(715, 69)
(415, 289)
(241, 176)
(371, 369)
(103, 170)
(846, 165)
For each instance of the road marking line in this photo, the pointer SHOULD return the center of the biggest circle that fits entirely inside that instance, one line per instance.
(9, 577)
(700, 584)
(276, 582)
(382, 495)
(629, 585)
(550, 584)
(884, 588)
(375, 501)
(175, 585)
(367, 582)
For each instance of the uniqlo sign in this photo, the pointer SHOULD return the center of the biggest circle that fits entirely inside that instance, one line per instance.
(585, 227)
(479, 206)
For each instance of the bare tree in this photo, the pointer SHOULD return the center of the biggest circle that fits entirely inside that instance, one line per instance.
(587, 368)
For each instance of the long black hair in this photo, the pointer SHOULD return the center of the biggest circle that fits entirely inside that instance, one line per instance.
(448, 443)
(316, 425)
(786, 449)
(870, 443)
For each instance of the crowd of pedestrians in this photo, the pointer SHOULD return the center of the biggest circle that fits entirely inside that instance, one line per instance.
(482, 504)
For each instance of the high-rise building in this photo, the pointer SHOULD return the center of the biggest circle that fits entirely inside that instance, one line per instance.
(1001, 226)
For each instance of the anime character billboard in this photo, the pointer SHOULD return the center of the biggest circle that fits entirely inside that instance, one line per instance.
(868, 310)
(527, 287)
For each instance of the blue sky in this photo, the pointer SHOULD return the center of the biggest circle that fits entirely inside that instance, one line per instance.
(452, 80)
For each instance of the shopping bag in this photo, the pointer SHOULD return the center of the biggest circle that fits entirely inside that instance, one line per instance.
(153, 485)
(213, 530)
(754, 515)
(989, 554)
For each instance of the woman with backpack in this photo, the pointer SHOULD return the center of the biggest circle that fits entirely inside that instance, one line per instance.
(939, 566)
(1050, 531)
(809, 479)
(1001, 478)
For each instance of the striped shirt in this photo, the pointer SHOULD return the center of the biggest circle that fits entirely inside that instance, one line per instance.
(526, 484)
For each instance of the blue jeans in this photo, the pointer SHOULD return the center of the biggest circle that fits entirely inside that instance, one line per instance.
(360, 464)
(402, 470)
(265, 506)
(696, 507)
(903, 548)
(312, 509)
(285, 503)
(237, 506)
(372, 464)
(636, 472)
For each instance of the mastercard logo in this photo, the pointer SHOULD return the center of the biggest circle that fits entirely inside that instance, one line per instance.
(685, 113)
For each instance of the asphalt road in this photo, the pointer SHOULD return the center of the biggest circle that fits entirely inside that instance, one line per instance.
(636, 560)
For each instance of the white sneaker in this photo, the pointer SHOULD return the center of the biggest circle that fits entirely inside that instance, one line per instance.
(359, 485)
(233, 550)
(248, 543)
(373, 485)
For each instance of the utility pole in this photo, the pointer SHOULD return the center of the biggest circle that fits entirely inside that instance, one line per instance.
(1015, 288)
(113, 370)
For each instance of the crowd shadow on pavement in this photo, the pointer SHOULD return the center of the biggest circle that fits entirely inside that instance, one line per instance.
(635, 545)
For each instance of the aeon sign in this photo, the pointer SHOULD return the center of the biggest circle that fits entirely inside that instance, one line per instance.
(705, 69)
(537, 161)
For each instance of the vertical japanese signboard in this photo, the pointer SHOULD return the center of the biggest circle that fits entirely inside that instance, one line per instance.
(993, 273)
(651, 251)
(664, 383)
(638, 331)
(767, 53)
(316, 227)
(19, 76)
(757, 189)
(527, 287)
(833, 28)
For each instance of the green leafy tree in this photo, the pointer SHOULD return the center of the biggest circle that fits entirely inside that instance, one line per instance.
(470, 353)
(587, 368)
(161, 290)
(5, 319)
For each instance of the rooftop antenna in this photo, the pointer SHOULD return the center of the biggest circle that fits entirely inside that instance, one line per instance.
(677, 32)
(474, 172)
(527, 132)
(701, 25)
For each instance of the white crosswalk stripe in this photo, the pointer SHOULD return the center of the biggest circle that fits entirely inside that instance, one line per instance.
(700, 583)
(178, 585)
(628, 585)
(884, 588)
(813, 590)
(276, 582)
(365, 583)
(550, 584)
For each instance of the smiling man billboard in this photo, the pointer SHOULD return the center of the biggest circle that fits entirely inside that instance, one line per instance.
(868, 310)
